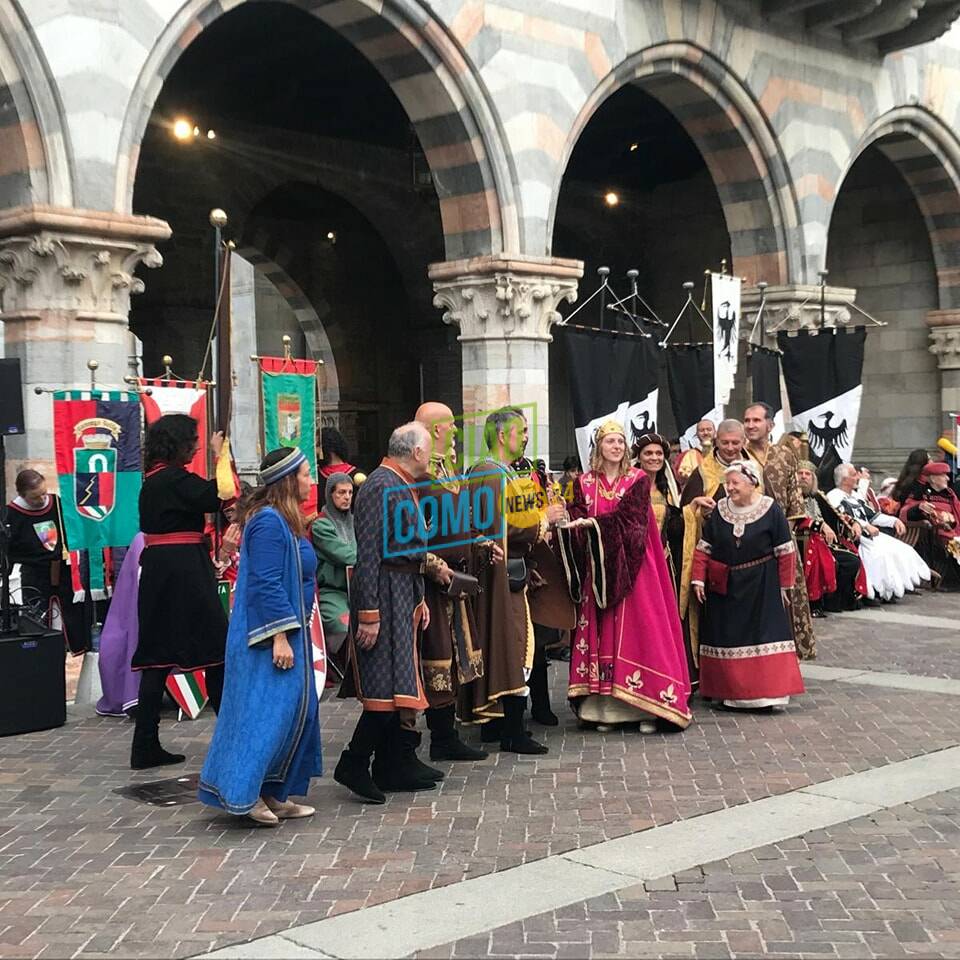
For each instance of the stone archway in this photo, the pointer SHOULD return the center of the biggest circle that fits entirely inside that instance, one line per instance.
(310, 320)
(434, 83)
(737, 145)
(927, 155)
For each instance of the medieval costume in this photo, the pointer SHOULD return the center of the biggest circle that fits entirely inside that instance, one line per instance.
(335, 544)
(665, 498)
(266, 744)
(834, 575)
(687, 464)
(551, 609)
(706, 481)
(181, 622)
(941, 509)
(745, 556)
(628, 661)
(38, 544)
(779, 465)
(386, 590)
(451, 657)
(504, 628)
(892, 567)
(118, 639)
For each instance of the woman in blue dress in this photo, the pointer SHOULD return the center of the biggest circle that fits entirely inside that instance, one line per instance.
(266, 745)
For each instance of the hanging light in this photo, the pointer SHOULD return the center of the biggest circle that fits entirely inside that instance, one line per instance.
(182, 129)
(611, 198)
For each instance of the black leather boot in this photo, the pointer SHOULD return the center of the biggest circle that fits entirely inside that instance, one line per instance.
(146, 751)
(515, 737)
(445, 742)
(409, 744)
(353, 768)
(395, 764)
(540, 691)
(491, 731)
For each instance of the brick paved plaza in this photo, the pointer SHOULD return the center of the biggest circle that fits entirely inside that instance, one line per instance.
(87, 872)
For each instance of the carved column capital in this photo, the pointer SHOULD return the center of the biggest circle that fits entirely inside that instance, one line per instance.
(500, 299)
(945, 338)
(794, 307)
(91, 278)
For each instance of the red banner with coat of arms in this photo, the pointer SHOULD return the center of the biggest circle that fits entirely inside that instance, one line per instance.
(97, 445)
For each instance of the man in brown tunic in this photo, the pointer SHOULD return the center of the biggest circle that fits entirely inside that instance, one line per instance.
(779, 465)
(449, 653)
(504, 627)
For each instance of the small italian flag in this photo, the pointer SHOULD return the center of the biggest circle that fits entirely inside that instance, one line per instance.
(190, 692)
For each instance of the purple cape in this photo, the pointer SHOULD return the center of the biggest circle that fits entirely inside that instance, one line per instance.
(118, 640)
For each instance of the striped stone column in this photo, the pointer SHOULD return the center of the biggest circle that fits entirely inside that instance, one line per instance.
(66, 277)
(504, 308)
(945, 346)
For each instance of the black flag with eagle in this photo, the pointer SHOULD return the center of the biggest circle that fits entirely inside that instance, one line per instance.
(612, 376)
(824, 373)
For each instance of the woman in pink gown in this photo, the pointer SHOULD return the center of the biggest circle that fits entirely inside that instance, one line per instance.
(627, 661)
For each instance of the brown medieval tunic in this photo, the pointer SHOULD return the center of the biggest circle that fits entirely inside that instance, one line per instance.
(779, 466)
(504, 629)
(449, 652)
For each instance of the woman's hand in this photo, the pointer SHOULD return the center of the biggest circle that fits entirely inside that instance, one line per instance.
(785, 596)
(282, 652)
(216, 443)
(706, 505)
(699, 592)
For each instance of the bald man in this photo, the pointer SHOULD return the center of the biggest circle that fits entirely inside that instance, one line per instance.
(449, 655)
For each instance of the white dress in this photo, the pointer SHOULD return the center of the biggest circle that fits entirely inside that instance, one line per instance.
(892, 567)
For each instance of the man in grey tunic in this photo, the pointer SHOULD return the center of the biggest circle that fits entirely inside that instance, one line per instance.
(387, 613)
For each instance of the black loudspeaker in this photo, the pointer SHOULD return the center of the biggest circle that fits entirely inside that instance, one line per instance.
(11, 397)
(33, 694)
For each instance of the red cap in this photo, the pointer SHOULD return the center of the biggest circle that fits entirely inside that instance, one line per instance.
(933, 468)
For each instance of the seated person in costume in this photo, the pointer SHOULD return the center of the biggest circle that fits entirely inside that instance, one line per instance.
(893, 568)
(38, 544)
(743, 572)
(931, 499)
(831, 565)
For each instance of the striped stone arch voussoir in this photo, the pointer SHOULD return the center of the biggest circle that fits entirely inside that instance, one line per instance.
(34, 165)
(927, 154)
(429, 75)
(738, 146)
(306, 313)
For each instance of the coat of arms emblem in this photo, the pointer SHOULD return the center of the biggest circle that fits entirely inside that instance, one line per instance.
(95, 468)
(289, 419)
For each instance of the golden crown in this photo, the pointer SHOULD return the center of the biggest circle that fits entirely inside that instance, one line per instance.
(607, 428)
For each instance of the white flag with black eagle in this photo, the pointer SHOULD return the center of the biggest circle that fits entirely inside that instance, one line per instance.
(725, 297)
(612, 376)
(823, 371)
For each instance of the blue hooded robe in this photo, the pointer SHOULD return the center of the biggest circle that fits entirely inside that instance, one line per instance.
(267, 738)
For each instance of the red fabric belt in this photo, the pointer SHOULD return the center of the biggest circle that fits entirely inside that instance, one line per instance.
(171, 539)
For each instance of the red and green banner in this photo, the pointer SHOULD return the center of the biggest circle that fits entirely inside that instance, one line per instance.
(288, 389)
(97, 447)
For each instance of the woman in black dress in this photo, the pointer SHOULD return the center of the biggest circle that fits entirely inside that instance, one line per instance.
(182, 623)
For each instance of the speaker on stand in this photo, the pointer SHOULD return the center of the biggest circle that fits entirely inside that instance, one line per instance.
(32, 657)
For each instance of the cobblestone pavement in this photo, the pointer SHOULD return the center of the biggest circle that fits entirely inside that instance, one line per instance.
(921, 648)
(887, 885)
(86, 872)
